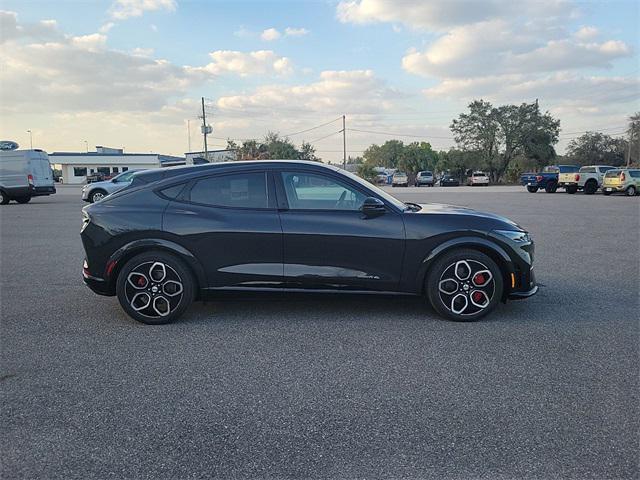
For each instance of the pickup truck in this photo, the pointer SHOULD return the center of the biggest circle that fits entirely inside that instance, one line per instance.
(547, 179)
(588, 178)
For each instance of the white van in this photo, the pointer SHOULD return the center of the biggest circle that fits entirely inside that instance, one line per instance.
(24, 174)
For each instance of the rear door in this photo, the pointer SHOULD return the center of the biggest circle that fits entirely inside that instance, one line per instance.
(328, 242)
(41, 171)
(230, 223)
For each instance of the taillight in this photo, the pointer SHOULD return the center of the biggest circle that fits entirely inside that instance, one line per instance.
(538, 178)
(577, 177)
(30, 179)
(622, 177)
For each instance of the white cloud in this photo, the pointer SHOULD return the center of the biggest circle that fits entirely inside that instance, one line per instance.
(261, 62)
(123, 9)
(243, 32)
(270, 34)
(498, 47)
(89, 42)
(354, 91)
(295, 32)
(106, 27)
(587, 33)
(438, 15)
(10, 29)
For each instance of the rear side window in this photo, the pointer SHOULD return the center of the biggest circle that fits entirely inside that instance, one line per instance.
(173, 192)
(241, 190)
(634, 173)
(588, 170)
(567, 169)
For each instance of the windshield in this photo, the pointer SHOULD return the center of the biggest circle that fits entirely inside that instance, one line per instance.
(378, 191)
(426, 174)
(479, 174)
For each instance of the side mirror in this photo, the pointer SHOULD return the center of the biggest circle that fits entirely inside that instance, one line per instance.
(372, 207)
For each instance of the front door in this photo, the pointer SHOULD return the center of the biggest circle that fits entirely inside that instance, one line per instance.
(329, 243)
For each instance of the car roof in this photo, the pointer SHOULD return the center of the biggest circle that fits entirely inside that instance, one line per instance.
(155, 174)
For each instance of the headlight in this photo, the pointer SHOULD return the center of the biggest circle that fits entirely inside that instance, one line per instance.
(516, 236)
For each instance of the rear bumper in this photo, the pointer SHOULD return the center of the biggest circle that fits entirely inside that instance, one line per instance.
(614, 188)
(41, 191)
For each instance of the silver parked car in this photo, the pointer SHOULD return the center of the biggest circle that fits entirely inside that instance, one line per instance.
(96, 191)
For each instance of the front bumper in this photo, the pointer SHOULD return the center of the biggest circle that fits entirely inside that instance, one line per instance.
(96, 284)
(523, 295)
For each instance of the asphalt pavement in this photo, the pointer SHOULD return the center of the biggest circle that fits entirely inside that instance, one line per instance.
(327, 387)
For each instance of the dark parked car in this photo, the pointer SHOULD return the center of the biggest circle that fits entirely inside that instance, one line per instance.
(175, 235)
(449, 181)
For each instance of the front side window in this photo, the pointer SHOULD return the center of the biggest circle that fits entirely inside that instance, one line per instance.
(308, 191)
(124, 177)
(241, 190)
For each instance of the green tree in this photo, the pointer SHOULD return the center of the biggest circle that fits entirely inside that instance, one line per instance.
(594, 148)
(307, 152)
(386, 155)
(498, 135)
(367, 171)
(416, 157)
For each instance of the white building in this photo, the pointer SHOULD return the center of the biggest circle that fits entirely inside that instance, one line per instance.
(196, 158)
(75, 166)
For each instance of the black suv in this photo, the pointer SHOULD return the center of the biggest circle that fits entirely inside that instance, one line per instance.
(178, 234)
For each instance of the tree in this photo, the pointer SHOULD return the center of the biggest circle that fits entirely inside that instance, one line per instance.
(386, 155)
(367, 171)
(275, 147)
(498, 135)
(634, 138)
(594, 148)
(416, 157)
(308, 152)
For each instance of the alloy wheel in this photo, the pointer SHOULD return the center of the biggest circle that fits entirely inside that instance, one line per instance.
(153, 289)
(97, 196)
(466, 287)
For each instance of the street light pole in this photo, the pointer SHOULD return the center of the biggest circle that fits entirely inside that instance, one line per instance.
(86, 145)
(30, 138)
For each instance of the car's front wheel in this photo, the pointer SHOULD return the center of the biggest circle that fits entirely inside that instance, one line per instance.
(97, 195)
(155, 288)
(464, 285)
(631, 191)
(532, 189)
(23, 200)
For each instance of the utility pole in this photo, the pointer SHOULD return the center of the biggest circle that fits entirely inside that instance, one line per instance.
(189, 134)
(204, 131)
(344, 143)
(629, 147)
(30, 138)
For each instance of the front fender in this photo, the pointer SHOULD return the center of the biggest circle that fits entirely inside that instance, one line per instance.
(124, 253)
(486, 246)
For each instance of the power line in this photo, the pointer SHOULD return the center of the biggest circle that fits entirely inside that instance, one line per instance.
(312, 128)
(398, 134)
(326, 136)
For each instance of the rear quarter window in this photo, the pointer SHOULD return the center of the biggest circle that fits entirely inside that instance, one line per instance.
(634, 173)
(241, 190)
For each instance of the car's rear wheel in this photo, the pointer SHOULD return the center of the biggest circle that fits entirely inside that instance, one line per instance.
(532, 189)
(23, 200)
(571, 189)
(551, 187)
(631, 191)
(464, 285)
(155, 288)
(590, 187)
(97, 195)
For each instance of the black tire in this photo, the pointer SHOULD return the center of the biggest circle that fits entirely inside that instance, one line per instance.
(571, 189)
(631, 191)
(132, 295)
(532, 189)
(23, 200)
(590, 187)
(4, 198)
(551, 187)
(605, 193)
(450, 264)
(97, 195)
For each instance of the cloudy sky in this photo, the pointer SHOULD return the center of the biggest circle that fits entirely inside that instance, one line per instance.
(130, 73)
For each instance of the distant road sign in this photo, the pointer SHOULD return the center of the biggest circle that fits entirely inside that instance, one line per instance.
(8, 145)
(209, 129)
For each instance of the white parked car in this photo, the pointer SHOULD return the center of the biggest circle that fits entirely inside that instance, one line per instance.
(588, 178)
(400, 179)
(96, 191)
(479, 178)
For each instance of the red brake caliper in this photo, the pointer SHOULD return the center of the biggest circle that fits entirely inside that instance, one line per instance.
(478, 297)
(141, 281)
(478, 279)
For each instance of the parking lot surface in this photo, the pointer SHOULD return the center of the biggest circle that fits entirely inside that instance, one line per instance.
(327, 387)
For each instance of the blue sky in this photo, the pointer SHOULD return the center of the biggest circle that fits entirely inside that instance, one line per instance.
(131, 72)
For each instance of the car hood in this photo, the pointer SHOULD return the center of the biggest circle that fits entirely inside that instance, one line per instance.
(443, 209)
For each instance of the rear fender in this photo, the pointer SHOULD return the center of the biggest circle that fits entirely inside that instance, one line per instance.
(124, 253)
(496, 252)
